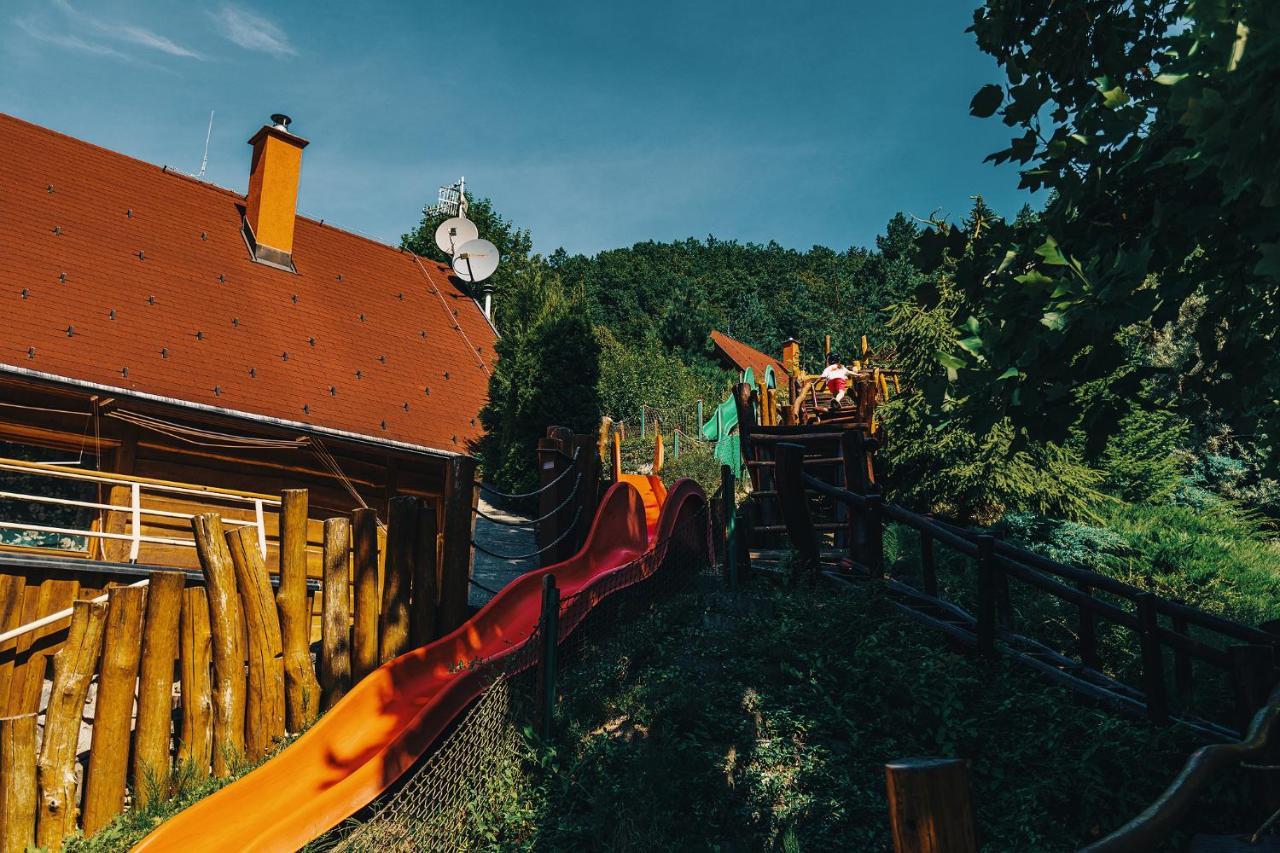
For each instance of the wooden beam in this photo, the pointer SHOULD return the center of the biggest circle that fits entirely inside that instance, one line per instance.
(930, 806)
(264, 707)
(113, 711)
(422, 602)
(393, 621)
(151, 763)
(225, 627)
(364, 546)
(195, 653)
(459, 522)
(335, 644)
(302, 691)
(17, 783)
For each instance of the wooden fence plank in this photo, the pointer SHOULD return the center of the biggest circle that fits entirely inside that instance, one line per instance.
(151, 762)
(364, 548)
(195, 750)
(301, 690)
(226, 623)
(11, 595)
(422, 601)
(397, 579)
(335, 645)
(1153, 687)
(17, 783)
(73, 668)
(104, 786)
(264, 705)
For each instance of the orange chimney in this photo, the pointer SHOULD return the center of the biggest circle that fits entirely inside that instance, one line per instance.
(272, 204)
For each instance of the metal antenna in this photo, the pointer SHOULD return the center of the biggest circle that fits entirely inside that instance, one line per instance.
(204, 162)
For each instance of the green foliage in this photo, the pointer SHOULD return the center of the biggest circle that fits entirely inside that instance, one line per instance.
(641, 372)
(1153, 127)
(1141, 461)
(746, 723)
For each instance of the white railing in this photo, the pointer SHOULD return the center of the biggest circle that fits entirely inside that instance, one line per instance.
(139, 489)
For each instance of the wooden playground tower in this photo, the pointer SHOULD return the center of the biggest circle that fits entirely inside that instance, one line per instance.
(840, 445)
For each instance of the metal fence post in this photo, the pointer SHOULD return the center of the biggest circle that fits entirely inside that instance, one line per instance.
(549, 629)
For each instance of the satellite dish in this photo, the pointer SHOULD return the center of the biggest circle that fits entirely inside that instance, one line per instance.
(452, 233)
(476, 260)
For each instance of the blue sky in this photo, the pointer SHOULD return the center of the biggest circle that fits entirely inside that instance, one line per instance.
(596, 124)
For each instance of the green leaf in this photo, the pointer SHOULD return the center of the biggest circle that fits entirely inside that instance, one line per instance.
(970, 345)
(1011, 373)
(1115, 98)
(949, 360)
(1169, 79)
(987, 101)
(1055, 320)
(1051, 253)
(1033, 277)
(971, 325)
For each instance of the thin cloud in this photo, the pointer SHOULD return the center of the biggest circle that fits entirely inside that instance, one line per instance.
(118, 31)
(252, 31)
(68, 41)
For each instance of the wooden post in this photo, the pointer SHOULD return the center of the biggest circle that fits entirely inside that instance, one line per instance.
(335, 626)
(794, 501)
(986, 596)
(459, 523)
(422, 602)
(1251, 670)
(930, 806)
(264, 708)
(1181, 660)
(301, 690)
(1088, 631)
(195, 654)
(151, 763)
(11, 595)
(402, 540)
(746, 420)
(729, 504)
(73, 668)
(1152, 659)
(615, 458)
(873, 535)
(552, 463)
(548, 628)
(117, 677)
(928, 568)
(227, 632)
(17, 783)
(364, 548)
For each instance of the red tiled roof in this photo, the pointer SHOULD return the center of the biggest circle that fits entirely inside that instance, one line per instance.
(120, 273)
(743, 356)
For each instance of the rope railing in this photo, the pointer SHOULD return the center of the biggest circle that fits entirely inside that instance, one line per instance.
(529, 523)
(573, 525)
(516, 497)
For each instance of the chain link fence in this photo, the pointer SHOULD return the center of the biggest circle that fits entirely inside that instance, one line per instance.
(446, 801)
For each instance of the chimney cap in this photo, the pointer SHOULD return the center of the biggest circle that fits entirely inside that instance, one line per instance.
(280, 121)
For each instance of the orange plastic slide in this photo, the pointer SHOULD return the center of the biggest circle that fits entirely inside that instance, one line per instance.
(387, 721)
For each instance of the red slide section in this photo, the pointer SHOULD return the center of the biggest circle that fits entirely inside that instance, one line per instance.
(388, 720)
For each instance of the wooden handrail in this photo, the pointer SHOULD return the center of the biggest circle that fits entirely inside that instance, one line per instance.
(1159, 820)
(65, 472)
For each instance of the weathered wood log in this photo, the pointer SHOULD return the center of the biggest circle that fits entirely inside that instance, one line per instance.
(459, 501)
(930, 806)
(195, 750)
(73, 668)
(301, 690)
(31, 652)
(151, 762)
(422, 601)
(11, 595)
(335, 643)
(104, 785)
(397, 579)
(226, 629)
(364, 548)
(264, 705)
(17, 783)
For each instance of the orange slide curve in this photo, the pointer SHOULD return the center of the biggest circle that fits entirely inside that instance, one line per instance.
(389, 719)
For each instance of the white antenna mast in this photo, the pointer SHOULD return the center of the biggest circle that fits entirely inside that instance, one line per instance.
(204, 162)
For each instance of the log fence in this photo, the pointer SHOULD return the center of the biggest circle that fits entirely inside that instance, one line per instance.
(198, 672)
